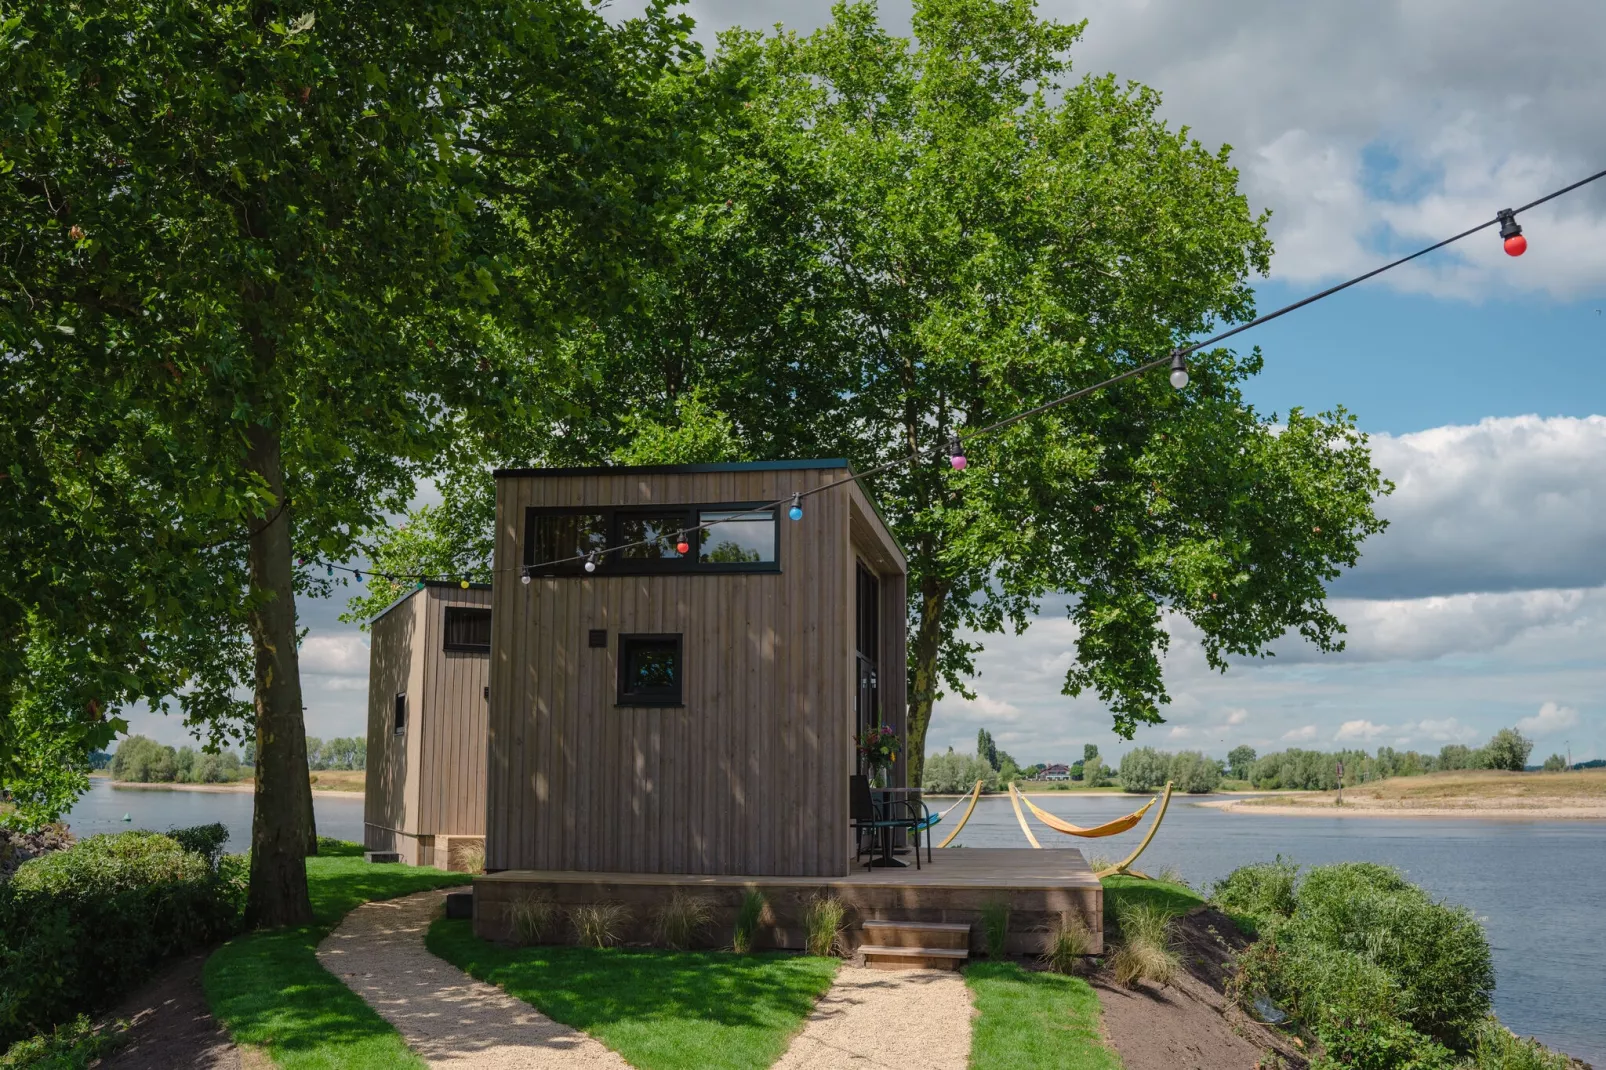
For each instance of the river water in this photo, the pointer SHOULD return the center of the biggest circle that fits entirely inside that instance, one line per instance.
(1537, 885)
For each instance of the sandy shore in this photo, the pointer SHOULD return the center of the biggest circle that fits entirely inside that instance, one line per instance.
(1529, 809)
(239, 787)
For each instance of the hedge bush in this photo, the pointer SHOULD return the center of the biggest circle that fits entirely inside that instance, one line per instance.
(78, 928)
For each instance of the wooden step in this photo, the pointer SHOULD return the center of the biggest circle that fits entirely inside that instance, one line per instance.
(916, 934)
(883, 957)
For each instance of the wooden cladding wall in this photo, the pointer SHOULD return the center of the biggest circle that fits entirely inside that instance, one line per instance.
(749, 776)
(451, 723)
(394, 667)
(430, 780)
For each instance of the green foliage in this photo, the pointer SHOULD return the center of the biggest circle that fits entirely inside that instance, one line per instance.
(986, 749)
(1028, 1020)
(955, 774)
(74, 1045)
(748, 917)
(1263, 890)
(1555, 764)
(1144, 769)
(1194, 773)
(1498, 1048)
(1089, 751)
(682, 919)
(79, 927)
(1067, 943)
(822, 922)
(995, 927)
(1145, 952)
(142, 760)
(1508, 749)
(1239, 761)
(1173, 899)
(1094, 773)
(204, 840)
(660, 1010)
(1379, 970)
(342, 752)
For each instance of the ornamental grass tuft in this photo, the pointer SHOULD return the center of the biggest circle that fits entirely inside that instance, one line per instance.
(599, 924)
(995, 927)
(1145, 952)
(534, 917)
(681, 919)
(1068, 944)
(748, 917)
(823, 924)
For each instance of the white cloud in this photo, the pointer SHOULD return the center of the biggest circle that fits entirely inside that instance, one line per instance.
(1446, 730)
(1359, 731)
(1514, 503)
(1179, 732)
(337, 655)
(1238, 716)
(1298, 735)
(346, 683)
(1550, 718)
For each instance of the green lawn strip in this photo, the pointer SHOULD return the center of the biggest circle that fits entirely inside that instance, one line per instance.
(660, 1010)
(1034, 1021)
(1172, 898)
(269, 990)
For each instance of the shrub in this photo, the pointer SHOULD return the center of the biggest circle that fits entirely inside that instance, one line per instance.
(1263, 890)
(81, 926)
(70, 1046)
(681, 919)
(1436, 953)
(1498, 1048)
(600, 924)
(748, 917)
(1508, 750)
(532, 916)
(1556, 764)
(1145, 953)
(823, 924)
(1068, 943)
(143, 760)
(995, 927)
(1144, 769)
(204, 840)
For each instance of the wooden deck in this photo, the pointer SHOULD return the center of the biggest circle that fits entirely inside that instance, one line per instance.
(1038, 887)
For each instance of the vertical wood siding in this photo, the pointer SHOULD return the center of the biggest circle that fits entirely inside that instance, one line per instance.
(750, 775)
(390, 787)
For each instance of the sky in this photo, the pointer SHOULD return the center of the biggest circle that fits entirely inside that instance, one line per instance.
(1367, 129)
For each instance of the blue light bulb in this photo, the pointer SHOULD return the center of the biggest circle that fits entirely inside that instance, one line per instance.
(796, 512)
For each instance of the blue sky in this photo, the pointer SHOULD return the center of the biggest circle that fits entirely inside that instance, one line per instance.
(1367, 128)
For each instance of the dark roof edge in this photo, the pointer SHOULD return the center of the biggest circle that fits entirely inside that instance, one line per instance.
(452, 584)
(676, 469)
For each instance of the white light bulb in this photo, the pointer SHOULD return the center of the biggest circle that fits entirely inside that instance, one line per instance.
(591, 566)
(1179, 378)
(525, 579)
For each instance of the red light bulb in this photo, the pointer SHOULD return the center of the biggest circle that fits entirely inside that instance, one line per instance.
(683, 547)
(1516, 245)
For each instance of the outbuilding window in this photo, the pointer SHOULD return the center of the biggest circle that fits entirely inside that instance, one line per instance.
(468, 629)
(401, 714)
(650, 670)
(719, 537)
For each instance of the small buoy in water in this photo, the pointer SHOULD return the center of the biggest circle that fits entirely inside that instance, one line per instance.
(127, 818)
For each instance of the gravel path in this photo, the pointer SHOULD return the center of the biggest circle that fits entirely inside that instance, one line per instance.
(892, 1019)
(447, 1017)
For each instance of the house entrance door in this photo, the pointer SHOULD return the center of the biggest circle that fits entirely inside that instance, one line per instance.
(867, 644)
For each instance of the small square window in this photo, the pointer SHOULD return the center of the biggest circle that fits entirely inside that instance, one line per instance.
(736, 537)
(649, 670)
(468, 628)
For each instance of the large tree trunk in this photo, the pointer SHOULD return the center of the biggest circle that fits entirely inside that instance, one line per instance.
(282, 831)
(923, 676)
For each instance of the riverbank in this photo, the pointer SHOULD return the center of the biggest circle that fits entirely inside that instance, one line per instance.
(339, 782)
(1571, 796)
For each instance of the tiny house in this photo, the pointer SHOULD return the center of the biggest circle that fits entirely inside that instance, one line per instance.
(688, 703)
(428, 689)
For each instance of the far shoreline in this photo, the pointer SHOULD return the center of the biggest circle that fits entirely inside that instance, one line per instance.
(1364, 810)
(238, 787)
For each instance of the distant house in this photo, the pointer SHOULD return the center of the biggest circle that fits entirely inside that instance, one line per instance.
(1054, 772)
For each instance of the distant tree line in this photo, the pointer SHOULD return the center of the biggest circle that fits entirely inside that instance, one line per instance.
(1144, 769)
(142, 760)
(1307, 770)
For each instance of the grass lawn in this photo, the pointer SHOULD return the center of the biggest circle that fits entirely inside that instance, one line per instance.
(268, 989)
(1172, 898)
(1034, 1021)
(660, 1010)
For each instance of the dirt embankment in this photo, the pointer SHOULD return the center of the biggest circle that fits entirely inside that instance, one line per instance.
(325, 782)
(1191, 1024)
(1575, 795)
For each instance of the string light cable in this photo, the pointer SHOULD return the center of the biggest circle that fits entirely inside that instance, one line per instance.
(1513, 241)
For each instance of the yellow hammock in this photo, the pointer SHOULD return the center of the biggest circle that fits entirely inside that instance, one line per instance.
(1109, 828)
(1123, 867)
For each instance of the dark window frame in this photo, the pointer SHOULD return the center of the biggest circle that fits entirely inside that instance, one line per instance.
(399, 714)
(617, 565)
(465, 648)
(629, 698)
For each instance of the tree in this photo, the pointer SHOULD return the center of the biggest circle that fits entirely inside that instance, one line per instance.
(1555, 764)
(1453, 756)
(1194, 773)
(269, 270)
(910, 239)
(142, 760)
(1089, 751)
(1239, 759)
(1508, 750)
(1093, 772)
(986, 750)
(952, 774)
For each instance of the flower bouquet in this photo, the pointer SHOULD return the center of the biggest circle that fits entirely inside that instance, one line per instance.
(879, 748)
